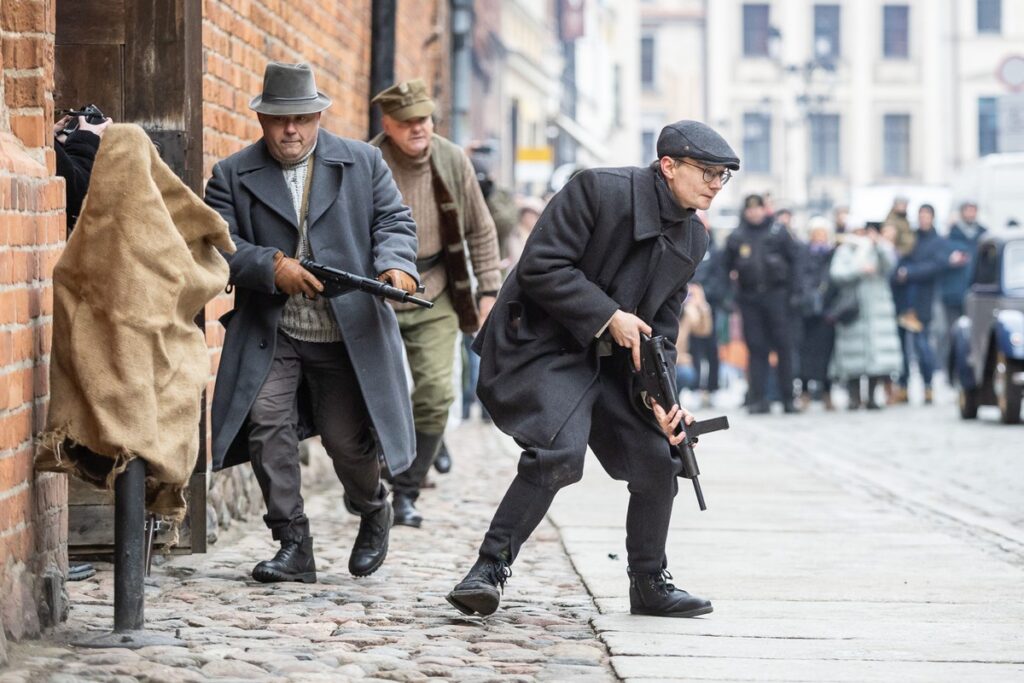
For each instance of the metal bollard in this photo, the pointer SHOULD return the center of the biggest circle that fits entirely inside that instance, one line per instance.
(129, 547)
(130, 565)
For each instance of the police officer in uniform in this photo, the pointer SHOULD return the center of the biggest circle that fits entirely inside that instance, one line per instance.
(765, 259)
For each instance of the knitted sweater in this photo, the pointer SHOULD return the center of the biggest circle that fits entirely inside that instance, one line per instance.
(412, 175)
(302, 318)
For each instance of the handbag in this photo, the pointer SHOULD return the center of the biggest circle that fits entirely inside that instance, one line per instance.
(844, 306)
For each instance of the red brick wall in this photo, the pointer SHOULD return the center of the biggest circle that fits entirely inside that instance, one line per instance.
(423, 50)
(33, 507)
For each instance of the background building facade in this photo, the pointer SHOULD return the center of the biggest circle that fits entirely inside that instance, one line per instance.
(821, 98)
(674, 61)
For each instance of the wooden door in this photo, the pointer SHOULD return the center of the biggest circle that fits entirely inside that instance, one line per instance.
(139, 61)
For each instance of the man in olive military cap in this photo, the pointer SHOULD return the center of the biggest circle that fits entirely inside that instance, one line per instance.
(608, 260)
(295, 363)
(438, 182)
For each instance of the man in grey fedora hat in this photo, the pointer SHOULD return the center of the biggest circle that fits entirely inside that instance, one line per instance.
(295, 364)
(608, 260)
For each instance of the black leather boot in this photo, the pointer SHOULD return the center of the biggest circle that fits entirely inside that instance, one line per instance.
(873, 383)
(371, 546)
(653, 595)
(480, 592)
(853, 389)
(406, 513)
(443, 461)
(409, 482)
(293, 562)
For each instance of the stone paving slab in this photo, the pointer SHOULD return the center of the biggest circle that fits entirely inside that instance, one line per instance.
(814, 575)
(696, 668)
(393, 626)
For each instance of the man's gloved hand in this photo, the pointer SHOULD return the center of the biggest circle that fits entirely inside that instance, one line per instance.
(291, 278)
(400, 279)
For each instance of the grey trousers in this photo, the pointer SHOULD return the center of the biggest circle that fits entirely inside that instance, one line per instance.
(341, 418)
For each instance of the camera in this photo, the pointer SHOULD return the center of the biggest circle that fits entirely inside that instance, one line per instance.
(91, 113)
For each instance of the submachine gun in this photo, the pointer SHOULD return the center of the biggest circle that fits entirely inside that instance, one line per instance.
(338, 283)
(658, 380)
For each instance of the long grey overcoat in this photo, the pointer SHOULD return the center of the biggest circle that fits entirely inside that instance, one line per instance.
(357, 223)
(598, 247)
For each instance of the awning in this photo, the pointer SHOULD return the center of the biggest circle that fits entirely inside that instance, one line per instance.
(583, 137)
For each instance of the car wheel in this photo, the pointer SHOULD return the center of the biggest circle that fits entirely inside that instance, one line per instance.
(968, 403)
(1008, 395)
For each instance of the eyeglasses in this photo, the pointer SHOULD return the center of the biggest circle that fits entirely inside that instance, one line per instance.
(709, 173)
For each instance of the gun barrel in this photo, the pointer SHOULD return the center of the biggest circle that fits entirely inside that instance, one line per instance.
(363, 284)
(700, 494)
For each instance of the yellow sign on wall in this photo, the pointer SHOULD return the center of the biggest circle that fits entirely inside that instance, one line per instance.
(535, 154)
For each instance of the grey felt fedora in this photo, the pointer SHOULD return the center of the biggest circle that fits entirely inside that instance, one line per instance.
(288, 90)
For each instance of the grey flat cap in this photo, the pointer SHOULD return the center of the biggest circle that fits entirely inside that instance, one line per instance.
(697, 141)
(289, 90)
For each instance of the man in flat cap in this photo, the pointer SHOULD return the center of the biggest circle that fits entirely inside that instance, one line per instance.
(294, 363)
(438, 182)
(608, 260)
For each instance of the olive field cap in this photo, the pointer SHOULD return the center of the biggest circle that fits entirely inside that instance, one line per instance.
(405, 100)
(697, 141)
(289, 90)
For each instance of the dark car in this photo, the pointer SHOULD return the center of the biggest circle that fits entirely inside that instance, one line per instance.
(987, 352)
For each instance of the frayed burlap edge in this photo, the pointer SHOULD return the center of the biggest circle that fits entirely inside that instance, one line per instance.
(165, 501)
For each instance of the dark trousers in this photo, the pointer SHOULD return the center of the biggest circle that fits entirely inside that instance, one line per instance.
(766, 327)
(470, 375)
(953, 313)
(627, 448)
(339, 414)
(921, 344)
(704, 351)
(815, 353)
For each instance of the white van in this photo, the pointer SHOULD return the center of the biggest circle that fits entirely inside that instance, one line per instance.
(996, 183)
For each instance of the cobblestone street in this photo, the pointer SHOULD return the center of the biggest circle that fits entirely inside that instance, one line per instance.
(394, 625)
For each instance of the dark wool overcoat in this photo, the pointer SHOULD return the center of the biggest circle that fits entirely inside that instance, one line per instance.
(357, 223)
(601, 245)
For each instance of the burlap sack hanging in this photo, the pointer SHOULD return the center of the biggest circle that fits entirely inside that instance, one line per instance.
(128, 363)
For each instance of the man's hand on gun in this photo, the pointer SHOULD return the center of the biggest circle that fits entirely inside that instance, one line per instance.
(669, 421)
(625, 329)
(291, 278)
(399, 279)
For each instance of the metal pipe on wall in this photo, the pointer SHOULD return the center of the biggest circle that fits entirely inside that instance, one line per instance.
(382, 54)
(462, 68)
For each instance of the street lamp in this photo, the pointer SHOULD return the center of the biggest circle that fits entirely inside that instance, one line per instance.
(809, 100)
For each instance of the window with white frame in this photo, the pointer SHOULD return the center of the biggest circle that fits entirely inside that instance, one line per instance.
(647, 142)
(990, 16)
(647, 61)
(896, 31)
(896, 145)
(824, 149)
(757, 142)
(988, 125)
(755, 29)
(826, 31)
